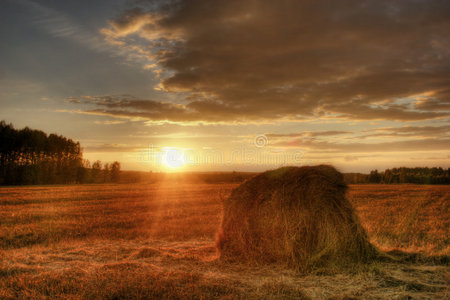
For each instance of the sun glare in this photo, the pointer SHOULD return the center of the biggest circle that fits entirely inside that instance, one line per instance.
(173, 158)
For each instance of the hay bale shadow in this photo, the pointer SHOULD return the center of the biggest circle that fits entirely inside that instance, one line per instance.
(398, 256)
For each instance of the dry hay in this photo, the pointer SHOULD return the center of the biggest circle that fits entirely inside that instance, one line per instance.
(294, 215)
(146, 253)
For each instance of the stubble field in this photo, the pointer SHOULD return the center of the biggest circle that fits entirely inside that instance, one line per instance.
(137, 241)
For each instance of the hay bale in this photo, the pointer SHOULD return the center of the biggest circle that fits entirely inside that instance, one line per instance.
(295, 215)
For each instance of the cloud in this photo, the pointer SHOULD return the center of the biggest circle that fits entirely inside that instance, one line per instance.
(435, 104)
(59, 25)
(308, 133)
(260, 60)
(410, 131)
(110, 148)
(357, 111)
(130, 22)
(408, 138)
(430, 144)
(109, 122)
(133, 108)
(130, 107)
(72, 100)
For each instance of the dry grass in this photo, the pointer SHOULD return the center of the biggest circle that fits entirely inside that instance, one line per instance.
(413, 218)
(157, 241)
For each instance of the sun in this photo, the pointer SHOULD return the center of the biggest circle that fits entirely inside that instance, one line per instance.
(173, 158)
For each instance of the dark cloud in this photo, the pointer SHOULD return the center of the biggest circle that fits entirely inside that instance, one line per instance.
(130, 107)
(240, 60)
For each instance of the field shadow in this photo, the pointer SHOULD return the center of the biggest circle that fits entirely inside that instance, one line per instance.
(398, 256)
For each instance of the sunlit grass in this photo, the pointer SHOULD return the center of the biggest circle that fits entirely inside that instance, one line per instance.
(157, 241)
(413, 218)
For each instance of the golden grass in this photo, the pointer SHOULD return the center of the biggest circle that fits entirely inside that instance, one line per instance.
(157, 241)
(412, 218)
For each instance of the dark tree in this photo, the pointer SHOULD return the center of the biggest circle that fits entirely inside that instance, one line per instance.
(96, 172)
(31, 157)
(115, 171)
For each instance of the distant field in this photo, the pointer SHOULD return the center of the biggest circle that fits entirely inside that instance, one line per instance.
(157, 241)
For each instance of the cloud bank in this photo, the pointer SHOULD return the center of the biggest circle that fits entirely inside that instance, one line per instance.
(251, 60)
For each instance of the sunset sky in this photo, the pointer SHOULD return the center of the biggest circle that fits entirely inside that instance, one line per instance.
(233, 85)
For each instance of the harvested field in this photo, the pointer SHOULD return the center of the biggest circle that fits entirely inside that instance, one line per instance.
(157, 241)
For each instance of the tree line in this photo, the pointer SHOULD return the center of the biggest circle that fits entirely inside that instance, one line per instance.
(425, 175)
(30, 156)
